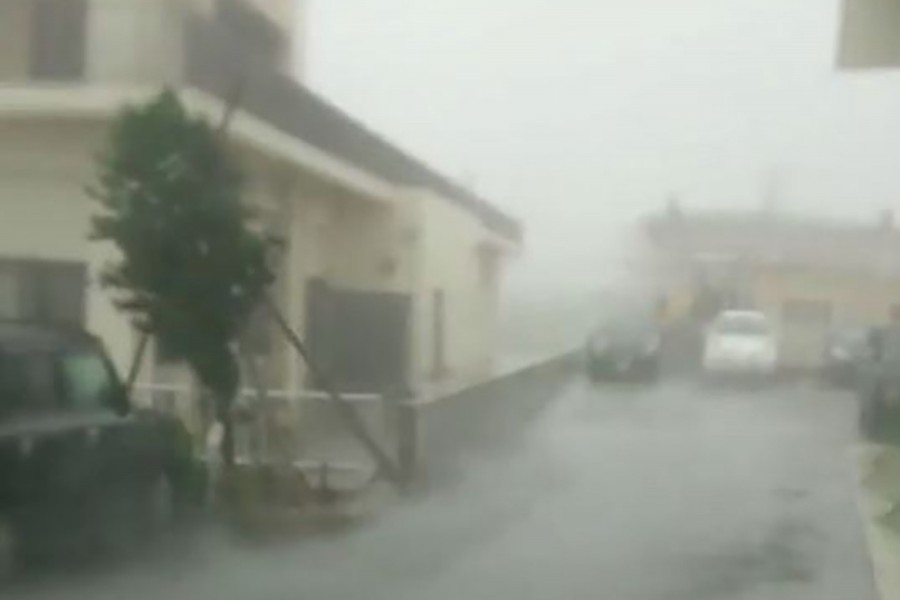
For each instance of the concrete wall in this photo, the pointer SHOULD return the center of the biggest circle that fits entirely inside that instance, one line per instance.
(434, 443)
(15, 39)
(449, 435)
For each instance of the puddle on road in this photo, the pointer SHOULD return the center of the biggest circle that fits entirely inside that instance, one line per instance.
(785, 555)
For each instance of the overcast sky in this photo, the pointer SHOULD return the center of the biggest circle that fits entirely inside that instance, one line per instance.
(579, 115)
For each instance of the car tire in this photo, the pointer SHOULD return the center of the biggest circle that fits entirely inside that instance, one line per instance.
(9, 551)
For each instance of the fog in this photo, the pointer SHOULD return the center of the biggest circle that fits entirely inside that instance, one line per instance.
(580, 115)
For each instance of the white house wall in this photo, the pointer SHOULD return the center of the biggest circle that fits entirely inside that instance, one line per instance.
(44, 169)
(450, 242)
(392, 240)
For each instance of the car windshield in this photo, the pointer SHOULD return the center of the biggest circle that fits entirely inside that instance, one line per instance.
(748, 325)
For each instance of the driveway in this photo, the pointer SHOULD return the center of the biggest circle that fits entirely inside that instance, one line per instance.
(675, 492)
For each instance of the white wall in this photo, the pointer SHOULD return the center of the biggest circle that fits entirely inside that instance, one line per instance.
(451, 249)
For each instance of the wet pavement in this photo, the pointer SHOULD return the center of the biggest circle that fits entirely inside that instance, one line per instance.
(675, 491)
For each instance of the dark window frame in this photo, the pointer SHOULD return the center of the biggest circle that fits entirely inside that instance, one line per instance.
(44, 286)
(58, 40)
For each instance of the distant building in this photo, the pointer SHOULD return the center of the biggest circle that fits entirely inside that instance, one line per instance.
(391, 271)
(809, 276)
(869, 34)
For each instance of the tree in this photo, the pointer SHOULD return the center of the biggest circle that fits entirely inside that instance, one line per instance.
(193, 266)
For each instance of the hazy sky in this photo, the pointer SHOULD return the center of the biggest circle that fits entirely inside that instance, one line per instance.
(579, 115)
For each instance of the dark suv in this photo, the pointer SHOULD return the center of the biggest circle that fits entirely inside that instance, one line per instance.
(879, 380)
(77, 464)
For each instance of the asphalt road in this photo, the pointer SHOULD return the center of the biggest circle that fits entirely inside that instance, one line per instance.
(675, 492)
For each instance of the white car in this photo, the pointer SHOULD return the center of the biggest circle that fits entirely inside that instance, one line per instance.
(740, 342)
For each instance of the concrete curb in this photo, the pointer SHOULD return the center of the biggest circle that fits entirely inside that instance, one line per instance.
(875, 467)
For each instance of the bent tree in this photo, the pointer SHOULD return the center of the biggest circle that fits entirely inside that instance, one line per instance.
(192, 266)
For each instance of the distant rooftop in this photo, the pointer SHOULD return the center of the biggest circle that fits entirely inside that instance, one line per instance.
(765, 237)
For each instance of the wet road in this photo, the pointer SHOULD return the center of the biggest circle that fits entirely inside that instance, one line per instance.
(675, 492)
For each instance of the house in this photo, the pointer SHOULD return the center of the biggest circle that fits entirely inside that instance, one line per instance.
(390, 270)
(868, 34)
(809, 276)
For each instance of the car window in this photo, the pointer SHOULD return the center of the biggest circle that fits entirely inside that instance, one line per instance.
(28, 383)
(87, 380)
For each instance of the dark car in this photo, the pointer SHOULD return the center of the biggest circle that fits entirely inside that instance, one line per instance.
(879, 380)
(845, 352)
(626, 345)
(78, 466)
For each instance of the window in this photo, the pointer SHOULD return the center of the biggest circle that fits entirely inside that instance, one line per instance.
(87, 381)
(58, 39)
(51, 291)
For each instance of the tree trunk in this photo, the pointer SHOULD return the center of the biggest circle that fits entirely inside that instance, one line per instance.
(226, 418)
(137, 360)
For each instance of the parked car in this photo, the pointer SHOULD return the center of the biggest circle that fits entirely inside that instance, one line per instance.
(845, 351)
(627, 344)
(879, 380)
(740, 342)
(76, 461)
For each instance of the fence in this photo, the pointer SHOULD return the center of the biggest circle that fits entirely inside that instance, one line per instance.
(431, 439)
(301, 428)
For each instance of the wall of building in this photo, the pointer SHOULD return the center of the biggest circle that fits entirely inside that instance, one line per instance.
(135, 41)
(44, 169)
(415, 244)
(868, 37)
(15, 33)
(453, 264)
(822, 300)
(280, 12)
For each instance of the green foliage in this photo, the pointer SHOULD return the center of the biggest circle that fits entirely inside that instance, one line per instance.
(192, 267)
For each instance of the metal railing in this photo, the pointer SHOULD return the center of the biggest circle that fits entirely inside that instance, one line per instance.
(294, 425)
